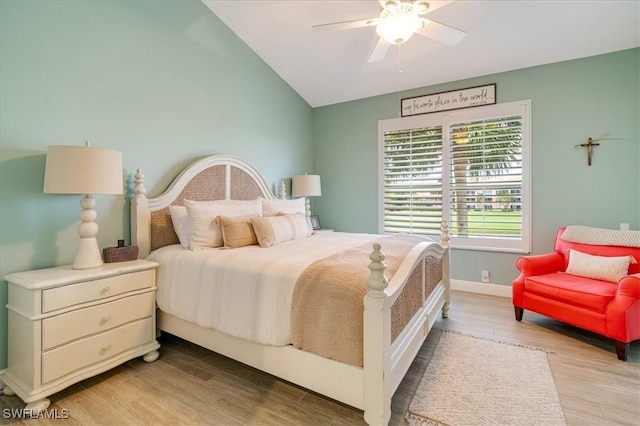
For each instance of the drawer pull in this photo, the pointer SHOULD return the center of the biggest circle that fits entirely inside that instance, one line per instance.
(105, 290)
(105, 348)
(105, 319)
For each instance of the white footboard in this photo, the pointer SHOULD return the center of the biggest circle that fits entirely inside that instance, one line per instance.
(389, 349)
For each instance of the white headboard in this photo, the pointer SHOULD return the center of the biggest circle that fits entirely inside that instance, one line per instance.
(211, 178)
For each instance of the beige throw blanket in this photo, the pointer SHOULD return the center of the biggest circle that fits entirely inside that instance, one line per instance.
(601, 236)
(327, 307)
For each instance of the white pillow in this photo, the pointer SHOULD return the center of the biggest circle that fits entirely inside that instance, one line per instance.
(180, 221)
(203, 232)
(271, 230)
(273, 206)
(599, 267)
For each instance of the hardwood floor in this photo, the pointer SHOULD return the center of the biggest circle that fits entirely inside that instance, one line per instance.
(189, 385)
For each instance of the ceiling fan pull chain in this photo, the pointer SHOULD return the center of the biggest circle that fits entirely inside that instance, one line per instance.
(399, 80)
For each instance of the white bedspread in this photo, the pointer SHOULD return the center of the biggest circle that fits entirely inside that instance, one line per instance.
(245, 292)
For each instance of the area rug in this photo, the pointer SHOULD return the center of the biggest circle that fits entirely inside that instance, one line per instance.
(476, 381)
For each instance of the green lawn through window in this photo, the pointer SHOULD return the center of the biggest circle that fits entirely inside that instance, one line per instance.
(496, 222)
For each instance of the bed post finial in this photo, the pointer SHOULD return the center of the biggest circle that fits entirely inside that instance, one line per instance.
(444, 234)
(376, 341)
(140, 217)
(377, 282)
(283, 190)
(139, 189)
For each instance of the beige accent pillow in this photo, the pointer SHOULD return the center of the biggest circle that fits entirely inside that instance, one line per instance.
(237, 231)
(599, 267)
(273, 206)
(272, 230)
(203, 232)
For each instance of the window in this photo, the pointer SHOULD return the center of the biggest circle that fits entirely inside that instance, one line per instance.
(470, 167)
(413, 180)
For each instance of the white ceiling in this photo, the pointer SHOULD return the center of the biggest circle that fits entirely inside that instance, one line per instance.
(331, 67)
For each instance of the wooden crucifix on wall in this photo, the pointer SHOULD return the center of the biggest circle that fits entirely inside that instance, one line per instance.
(589, 145)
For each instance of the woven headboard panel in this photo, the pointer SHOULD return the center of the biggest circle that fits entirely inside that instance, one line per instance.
(216, 177)
(243, 187)
(208, 185)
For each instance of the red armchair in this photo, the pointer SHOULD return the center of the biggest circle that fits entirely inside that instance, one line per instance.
(604, 307)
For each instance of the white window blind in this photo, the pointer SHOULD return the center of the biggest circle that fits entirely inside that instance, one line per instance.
(470, 167)
(413, 180)
(485, 177)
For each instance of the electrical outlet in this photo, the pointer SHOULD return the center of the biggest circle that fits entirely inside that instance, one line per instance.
(624, 226)
(485, 276)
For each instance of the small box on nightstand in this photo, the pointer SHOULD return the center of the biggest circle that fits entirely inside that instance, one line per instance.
(121, 253)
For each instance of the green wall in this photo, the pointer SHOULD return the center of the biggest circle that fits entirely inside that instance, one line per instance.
(163, 82)
(166, 83)
(571, 101)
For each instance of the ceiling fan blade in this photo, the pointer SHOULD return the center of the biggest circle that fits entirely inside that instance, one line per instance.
(336, 26)
(441, 32)
(379, 51)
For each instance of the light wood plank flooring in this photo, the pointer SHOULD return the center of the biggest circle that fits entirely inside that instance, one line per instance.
(189, 385)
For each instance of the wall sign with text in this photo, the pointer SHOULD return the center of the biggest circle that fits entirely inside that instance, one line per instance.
(455, 99)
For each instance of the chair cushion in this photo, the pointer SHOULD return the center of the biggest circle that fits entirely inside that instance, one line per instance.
(586, 293)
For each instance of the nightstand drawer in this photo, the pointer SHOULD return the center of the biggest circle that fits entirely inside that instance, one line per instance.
(82, 353)
(84, 322)
(73, 294)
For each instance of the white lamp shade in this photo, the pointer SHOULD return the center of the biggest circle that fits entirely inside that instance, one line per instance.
(82, 170)
(306, 186)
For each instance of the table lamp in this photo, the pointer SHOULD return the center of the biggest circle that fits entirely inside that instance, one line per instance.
(306, 186)
(84, 170)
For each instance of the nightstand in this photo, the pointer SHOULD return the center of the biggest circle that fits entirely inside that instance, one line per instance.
(66, 325)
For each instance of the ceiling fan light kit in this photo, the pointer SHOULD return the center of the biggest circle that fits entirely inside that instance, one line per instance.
(398, 23)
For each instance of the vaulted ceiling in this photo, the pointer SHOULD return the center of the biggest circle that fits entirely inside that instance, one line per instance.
(331, 67)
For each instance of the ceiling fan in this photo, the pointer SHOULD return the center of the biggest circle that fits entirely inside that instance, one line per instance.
(398, 21)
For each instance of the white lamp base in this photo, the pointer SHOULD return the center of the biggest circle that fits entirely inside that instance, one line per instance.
(307, 206)
(88, 253)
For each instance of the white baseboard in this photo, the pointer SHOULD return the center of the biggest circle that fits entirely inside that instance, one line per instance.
(482, 288)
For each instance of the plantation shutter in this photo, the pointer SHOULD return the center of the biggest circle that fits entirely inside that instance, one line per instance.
(486, 178)
(412, 180)
(468, 167)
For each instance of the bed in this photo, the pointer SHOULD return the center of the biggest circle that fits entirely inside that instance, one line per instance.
(354, 348)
